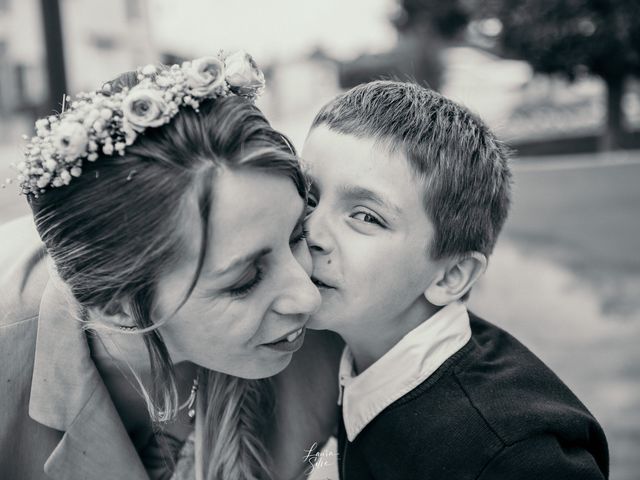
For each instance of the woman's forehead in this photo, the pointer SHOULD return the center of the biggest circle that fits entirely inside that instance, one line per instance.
(251, 211)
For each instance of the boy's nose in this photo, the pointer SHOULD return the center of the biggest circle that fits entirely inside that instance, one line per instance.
(318, 235)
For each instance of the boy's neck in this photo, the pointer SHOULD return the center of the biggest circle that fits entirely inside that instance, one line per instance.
(370, 344)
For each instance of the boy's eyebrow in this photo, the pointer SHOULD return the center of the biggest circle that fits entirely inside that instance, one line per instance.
(361, 193)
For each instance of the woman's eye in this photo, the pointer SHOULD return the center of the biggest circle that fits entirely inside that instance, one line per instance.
(367, 218)
(246, 287)
(299, 236)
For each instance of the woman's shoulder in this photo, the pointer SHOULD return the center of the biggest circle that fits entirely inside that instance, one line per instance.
(23, 273)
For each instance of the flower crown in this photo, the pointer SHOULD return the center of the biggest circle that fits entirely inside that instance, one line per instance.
(106, 122)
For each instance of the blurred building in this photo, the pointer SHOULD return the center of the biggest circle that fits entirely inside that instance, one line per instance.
(22, 80)
(535, 113)
(101, 39)
(296, 89)
(485, 83)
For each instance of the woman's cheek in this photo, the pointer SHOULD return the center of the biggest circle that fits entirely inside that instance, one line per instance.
(244, 320)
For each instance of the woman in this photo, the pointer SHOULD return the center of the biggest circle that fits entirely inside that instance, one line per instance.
(172, 279)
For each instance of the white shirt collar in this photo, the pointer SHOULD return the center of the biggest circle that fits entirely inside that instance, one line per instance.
(409, 363)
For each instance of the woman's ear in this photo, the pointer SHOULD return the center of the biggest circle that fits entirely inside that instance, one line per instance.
(116, 308)
(456, 278)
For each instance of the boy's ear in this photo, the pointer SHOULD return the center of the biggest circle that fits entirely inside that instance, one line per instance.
(456, 278)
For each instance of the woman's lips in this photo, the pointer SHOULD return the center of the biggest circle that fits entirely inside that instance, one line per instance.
(290, 343)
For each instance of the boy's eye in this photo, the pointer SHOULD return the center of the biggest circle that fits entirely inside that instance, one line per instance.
(311, 202)
(367, 218)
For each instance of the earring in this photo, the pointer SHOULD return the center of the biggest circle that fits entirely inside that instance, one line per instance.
(128, 328)
(190, 402)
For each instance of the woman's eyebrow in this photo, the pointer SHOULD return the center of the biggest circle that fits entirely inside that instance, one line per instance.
(355, 192)
(251, 257)
(240, 261)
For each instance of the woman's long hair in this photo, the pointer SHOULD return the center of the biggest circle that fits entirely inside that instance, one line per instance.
(111, 233)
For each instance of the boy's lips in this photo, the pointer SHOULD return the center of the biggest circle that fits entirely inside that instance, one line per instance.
(320, 283)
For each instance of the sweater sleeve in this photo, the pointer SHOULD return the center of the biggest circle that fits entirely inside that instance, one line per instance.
(540, 458)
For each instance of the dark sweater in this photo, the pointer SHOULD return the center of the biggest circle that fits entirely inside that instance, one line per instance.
(493, 410)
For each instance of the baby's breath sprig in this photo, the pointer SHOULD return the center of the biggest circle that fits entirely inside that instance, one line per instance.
(105, 123)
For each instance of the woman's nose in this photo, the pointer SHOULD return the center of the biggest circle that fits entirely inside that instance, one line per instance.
(299, 295)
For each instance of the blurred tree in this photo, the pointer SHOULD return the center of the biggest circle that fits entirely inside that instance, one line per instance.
(412, 59)
(446, 19)
(426, 26)
(573, 37)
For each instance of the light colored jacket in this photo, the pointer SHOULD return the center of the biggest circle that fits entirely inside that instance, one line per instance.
(57, 419)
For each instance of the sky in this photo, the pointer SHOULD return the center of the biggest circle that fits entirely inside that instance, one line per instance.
(273, 29)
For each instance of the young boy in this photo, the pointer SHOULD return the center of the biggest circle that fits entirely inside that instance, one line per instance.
(409, 192)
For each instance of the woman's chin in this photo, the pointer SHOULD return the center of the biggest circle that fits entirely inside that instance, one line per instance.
(256, 370)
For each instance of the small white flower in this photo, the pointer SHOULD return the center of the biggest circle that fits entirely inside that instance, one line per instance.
(144, 107)
(57, 182)
(149, 70)
(42, 123)
(70, 139)
(204, 76)
(107, 149)
(163, 81)
(44, 180)
(65, 176)
(105, 113)
(98, 126)
(76, 171)
(51, 164)
(92, 157)
(243, 74)
(42, 128)
(89, 117)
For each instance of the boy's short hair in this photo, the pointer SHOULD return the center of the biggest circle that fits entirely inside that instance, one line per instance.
(464, 168)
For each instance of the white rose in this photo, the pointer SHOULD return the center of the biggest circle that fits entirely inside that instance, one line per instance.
(129, 133)
(243, 74)
(144, 107)
(204, 76)
(70, 139)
